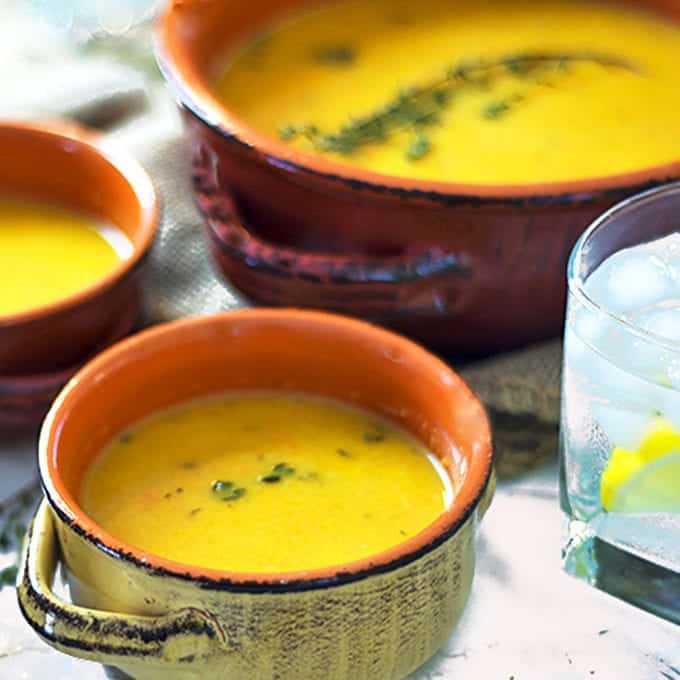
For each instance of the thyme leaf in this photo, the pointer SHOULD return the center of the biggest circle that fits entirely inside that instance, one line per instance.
(419, 147)
(496, 109)
(226, 491)
(373, 437)
(419, 106)
(269, 479)
(335, 55)
(283, 469)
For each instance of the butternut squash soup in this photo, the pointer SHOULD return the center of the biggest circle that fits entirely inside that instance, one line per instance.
(265, 482)
(48, 253)
(499, 91)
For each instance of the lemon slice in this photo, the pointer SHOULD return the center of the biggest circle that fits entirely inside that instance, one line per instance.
(621, 467)
(663, 439)
(632, 478)
(652, 487)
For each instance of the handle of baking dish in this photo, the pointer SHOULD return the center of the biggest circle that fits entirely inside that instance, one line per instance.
(173, 639)
(231, 235)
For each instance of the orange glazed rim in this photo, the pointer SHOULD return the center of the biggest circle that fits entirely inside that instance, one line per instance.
(141, 187)
(194, 91)
(477, 475)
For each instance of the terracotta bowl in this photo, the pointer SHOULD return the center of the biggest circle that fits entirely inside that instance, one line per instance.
(26, 399)
(67, 165)
(153, 618)
(464, 268)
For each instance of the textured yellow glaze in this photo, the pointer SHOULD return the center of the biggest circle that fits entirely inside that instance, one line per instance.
(48, 253)
(586, 122)
(323, 484)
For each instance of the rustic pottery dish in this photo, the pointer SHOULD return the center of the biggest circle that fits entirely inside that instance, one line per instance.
(26, 399)
(381, 616)
(71, 167)
(464, 267)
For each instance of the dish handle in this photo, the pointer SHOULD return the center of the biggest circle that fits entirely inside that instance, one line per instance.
(233, 237)
(174, 639)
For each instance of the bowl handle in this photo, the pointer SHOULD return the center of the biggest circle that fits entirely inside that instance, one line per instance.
(173, 639)
(233, 237)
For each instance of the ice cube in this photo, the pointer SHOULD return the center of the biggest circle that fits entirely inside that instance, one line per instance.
(662, 320)
(630, 279)
(666, 248)
(622, 372)
(623, 427)
(661, 361)
(625, 405)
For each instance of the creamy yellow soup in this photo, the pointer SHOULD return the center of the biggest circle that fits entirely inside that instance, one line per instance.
(497, 91)
(265, 482)
(48, 253)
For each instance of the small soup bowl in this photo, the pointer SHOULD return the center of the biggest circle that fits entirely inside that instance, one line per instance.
(378, 617)
(26, 399)
(69, 166)
(464, 268)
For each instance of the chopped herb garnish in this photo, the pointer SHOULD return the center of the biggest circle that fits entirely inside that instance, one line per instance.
(402, 532)
(335, 55)
(168, 495)
(283, 469)
(441, 97)
(220, 485)
(415, 107)
(344, 453)
(225, 490)
(125, 438)
(496, 109)
(418, 148)
(189, 465)
(285, 133)
(179, 489)
(236, 494)
(194, 511)
(269, 479)
(373, 437)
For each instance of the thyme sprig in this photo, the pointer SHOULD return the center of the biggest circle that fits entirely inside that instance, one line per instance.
(417, 108)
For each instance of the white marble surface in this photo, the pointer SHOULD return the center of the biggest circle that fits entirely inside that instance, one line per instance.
(526, 619)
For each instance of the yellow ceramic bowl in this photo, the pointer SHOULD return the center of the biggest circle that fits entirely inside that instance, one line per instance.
(380, 617)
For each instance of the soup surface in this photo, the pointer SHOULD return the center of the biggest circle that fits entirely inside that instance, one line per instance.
(48, 253)
(498, 91)
(265, 482)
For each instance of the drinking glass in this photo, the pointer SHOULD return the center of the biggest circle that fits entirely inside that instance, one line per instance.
(620, 423)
